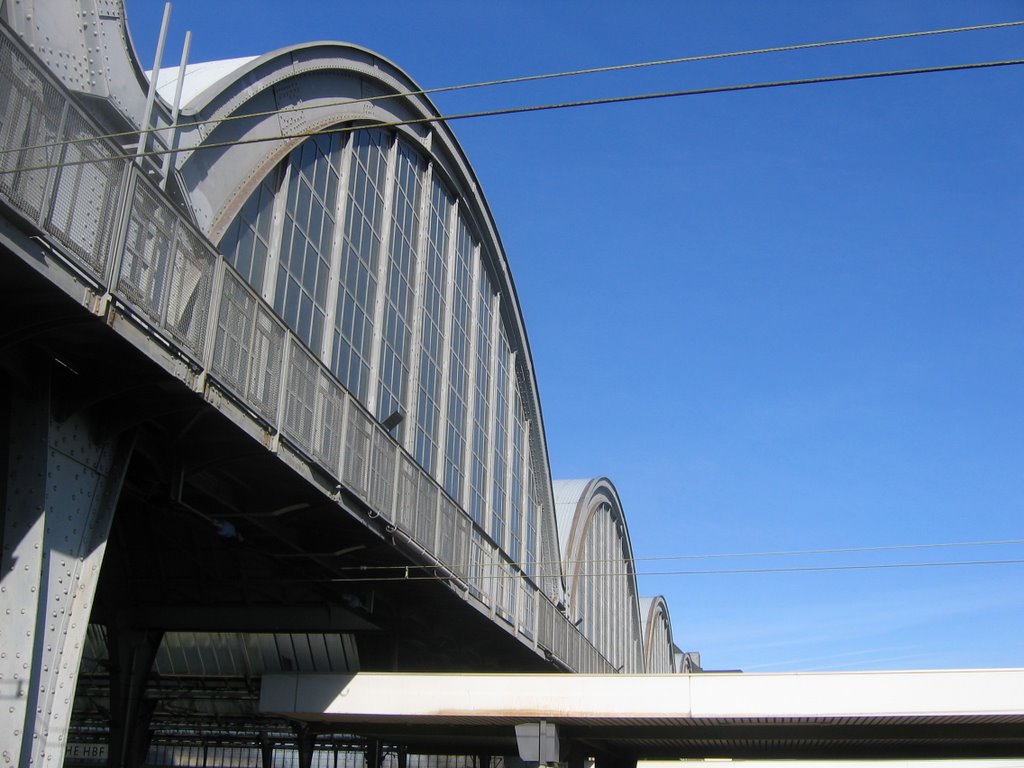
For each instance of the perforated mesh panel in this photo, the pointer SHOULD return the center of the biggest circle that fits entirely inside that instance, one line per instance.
(405, 504)
(426, 512)
(573, 649)
(545, 623)
(300, 397)
(357, 451)
(382, 471)
(186, 312)
(477, 567)
(510, 589)
(559, 636)
(86, 196)
(30, 110)
(446, 513)
(144, 277)
(499, 586)
(264, 381)
(460, 554)
(248, 347)
(527, 608)
(231, 351)
(330, 402)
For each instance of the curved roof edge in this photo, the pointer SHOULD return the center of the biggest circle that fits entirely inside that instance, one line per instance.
(650, 609)
(572, 501)
(199, 77)
(217, 76)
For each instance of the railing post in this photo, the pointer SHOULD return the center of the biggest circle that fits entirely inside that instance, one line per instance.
(282, 395)
(120, 239)
(59, 151)
(212, 323)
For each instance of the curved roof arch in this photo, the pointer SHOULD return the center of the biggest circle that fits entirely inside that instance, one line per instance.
(656, 628)
(576, 503)
(229, 72)
(598, 568)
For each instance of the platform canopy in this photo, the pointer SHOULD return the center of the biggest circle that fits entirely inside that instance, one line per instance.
(947, 713)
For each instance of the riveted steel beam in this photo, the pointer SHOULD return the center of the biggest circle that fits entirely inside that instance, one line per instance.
(61, 490)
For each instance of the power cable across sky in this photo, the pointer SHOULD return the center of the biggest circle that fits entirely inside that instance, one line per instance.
(543, 107)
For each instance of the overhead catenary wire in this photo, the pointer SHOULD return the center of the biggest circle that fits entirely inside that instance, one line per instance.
(736, 555)
(536, 78)
(533, 108)
(406, 576)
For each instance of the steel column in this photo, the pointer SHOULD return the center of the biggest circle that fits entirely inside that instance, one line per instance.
(61, 490)
(374, 753)
(266, 751)
(305, 744)
(131, 653)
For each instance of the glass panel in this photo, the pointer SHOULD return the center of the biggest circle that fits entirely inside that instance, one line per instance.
(357, 288)
(394, 359)
(428, 411)
(246, 243)
(458, 375)
(500, 462)
(482, 406)
(314, 174)
(515, 522)
(532, 512)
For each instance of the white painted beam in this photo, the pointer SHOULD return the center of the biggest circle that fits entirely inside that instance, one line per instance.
(733, 696)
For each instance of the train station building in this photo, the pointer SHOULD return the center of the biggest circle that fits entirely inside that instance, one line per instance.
(275, 482)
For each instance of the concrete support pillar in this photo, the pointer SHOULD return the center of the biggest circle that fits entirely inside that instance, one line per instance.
(58, 502)
(131, 653)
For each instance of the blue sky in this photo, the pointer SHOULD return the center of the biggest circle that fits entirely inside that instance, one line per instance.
(779, 320)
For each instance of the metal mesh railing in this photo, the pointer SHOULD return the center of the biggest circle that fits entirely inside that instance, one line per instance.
(87, 196)
(546, 615)
(263, 383)
(527, 609)
(463, 529)
(330, 421)
(382, 470)
(478, 568)
(408, 495)
(249, 347)
(506, 588)
(145, 270)
(300, 397)
(357, 452)
(232, 348)
(163, 272)
(425, 527)
(31, 109)
(186, 311)
(446, 514)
